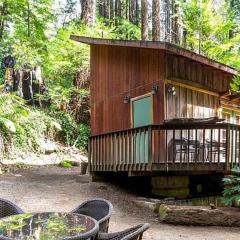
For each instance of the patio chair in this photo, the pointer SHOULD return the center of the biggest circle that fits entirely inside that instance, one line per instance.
(193, 149)
(99, 209)
(177, 147)
(214, 148)
(134, 233)
(8, 208)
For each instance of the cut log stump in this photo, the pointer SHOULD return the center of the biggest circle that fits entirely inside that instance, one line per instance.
(204, 216)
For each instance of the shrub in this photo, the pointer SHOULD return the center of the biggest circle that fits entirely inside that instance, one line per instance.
(231, 192)
(72, 134)
(22, 126)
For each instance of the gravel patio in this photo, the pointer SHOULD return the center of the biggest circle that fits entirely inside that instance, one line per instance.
(53, 188)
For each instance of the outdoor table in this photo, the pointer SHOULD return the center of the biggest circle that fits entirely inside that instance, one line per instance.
(48, 226)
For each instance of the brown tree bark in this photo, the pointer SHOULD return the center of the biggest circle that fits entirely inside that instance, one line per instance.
(231, 32)
(112, 12)
(144, 19)
(175, 25)
(167, 21)
(137, 13)
(199, 216)
(132, 11)
(3, 13)
(126, 9)
(118, 8)
(155, 20)
(104, 6)
(88, 11)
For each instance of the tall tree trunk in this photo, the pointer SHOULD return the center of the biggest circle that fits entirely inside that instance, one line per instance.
(3, 14)
(118, 8)
(127, 7)
(106, 9)
(175, 25)
(184, 35)
(132, 11)
(155, 20)
(137, 13)
(88, 11)
(231, 33)
(167, 21)
(112, 12)
(28, 18)
(144, 11)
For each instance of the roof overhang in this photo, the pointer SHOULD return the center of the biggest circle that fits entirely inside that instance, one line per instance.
(168, 47)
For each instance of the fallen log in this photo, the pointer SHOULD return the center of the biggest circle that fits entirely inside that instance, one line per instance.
(199, 216)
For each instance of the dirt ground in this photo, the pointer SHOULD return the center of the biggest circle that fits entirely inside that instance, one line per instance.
(56, 189)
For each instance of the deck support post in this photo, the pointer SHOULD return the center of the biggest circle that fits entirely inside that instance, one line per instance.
(171, 186)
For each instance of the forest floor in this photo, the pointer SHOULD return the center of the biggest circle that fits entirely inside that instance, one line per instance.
(52, 154)
(53, 188)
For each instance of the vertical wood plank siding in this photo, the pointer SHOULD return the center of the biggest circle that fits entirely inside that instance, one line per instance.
(124, 71)
(117, 72)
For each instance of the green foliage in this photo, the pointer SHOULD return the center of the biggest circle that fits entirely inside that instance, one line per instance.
(208, 26)
(65, 164)
(162, 212)
(66, 57)
(231, 193)
(27, 40)
(72, 134)
(126, 30)
(235, 84)
(22, 124)
(25, 126)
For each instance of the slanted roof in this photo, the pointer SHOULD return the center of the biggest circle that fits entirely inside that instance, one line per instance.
(174, 49)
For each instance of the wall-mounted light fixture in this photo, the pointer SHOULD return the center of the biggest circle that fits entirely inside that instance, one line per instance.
(154, 89)
(171, 90)
(126, 99)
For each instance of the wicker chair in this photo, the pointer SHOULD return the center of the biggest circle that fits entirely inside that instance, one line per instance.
(134, 233)
(7, 208)
(99, 209)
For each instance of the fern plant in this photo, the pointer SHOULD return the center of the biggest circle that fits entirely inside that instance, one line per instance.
(231, 192)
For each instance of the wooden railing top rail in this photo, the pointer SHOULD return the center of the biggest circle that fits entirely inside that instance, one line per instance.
(174, 126)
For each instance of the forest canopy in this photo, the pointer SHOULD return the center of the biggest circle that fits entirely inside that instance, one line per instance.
(37, 32)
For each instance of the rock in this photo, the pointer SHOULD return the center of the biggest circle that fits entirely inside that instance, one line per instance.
(103, 187)
(152, 204)
(83, 179)
(47, 146)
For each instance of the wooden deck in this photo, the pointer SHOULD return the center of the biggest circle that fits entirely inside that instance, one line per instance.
(190, 148)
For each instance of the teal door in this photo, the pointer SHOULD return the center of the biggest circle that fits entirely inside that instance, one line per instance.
(142, 116)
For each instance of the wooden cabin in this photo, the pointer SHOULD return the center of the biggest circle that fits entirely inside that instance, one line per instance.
(158, 109)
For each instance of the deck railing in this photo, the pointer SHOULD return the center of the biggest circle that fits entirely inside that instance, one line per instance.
(178, 147)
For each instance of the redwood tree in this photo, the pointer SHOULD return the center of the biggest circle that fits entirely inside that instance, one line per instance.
(88, 11)
(144, 19)
(155, 20)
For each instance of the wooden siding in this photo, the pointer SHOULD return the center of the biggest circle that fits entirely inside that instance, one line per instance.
(196, 74)
(187, 103)
(117, 72)
(126, 71)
